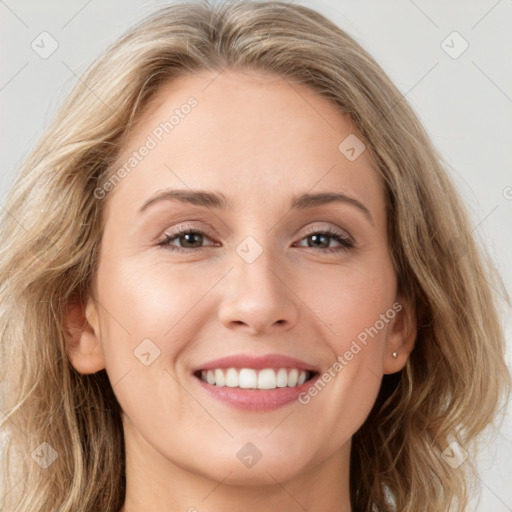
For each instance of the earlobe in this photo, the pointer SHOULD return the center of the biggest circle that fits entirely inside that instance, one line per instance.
(82, 334)
(401, 339)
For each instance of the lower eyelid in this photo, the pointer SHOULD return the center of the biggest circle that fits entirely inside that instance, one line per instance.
(345, 242)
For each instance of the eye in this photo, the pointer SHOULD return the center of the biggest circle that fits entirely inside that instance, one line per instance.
(321, 237)
(192, 239)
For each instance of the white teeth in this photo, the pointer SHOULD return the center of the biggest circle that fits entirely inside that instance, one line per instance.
(282, 378)
(267, 379)
(292, 377)
(302, 379)
(248, 378)
(232, 378)
(219, 378)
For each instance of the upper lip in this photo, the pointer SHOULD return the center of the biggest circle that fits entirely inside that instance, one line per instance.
(256, 362)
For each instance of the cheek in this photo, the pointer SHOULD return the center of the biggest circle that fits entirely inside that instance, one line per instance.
(151, 301)
(150, 318)
(351, 303)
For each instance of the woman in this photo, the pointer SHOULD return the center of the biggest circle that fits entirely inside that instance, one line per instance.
(253, 367)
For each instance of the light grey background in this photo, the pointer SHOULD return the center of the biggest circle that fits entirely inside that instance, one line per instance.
(464, 102)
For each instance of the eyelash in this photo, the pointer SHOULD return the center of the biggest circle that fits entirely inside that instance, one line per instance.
(346, 243)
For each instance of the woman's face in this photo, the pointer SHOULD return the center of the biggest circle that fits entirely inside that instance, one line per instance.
(258, 278)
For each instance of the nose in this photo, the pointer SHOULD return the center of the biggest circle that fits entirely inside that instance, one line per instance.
(258, 297)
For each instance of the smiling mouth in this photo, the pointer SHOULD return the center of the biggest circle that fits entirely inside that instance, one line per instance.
(249, 378)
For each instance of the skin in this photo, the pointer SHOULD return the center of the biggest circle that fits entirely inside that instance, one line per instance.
(259, 140)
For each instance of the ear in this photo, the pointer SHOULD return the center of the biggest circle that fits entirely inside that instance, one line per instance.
(401, 337)
(82, 335)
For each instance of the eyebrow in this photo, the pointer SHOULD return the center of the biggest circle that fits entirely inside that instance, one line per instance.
(219, 201)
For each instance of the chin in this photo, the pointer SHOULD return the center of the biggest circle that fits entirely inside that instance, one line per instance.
(248, 467)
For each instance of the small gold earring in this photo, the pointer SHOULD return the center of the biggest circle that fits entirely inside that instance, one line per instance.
(395, 354)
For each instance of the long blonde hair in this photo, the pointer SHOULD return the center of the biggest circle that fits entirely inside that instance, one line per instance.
(51, 228)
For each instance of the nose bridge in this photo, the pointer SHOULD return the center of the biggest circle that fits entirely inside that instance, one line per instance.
(256, 295)
(257, 267)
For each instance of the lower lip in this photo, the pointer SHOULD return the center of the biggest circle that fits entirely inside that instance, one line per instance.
(256, 399)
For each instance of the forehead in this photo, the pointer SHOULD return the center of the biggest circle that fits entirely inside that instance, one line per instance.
(246, 134)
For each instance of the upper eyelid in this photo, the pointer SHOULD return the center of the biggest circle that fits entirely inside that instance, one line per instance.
(205, 229)
(336, 229)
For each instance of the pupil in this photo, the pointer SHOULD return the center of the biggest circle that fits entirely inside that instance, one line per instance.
(317, 237)
(188, 235)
